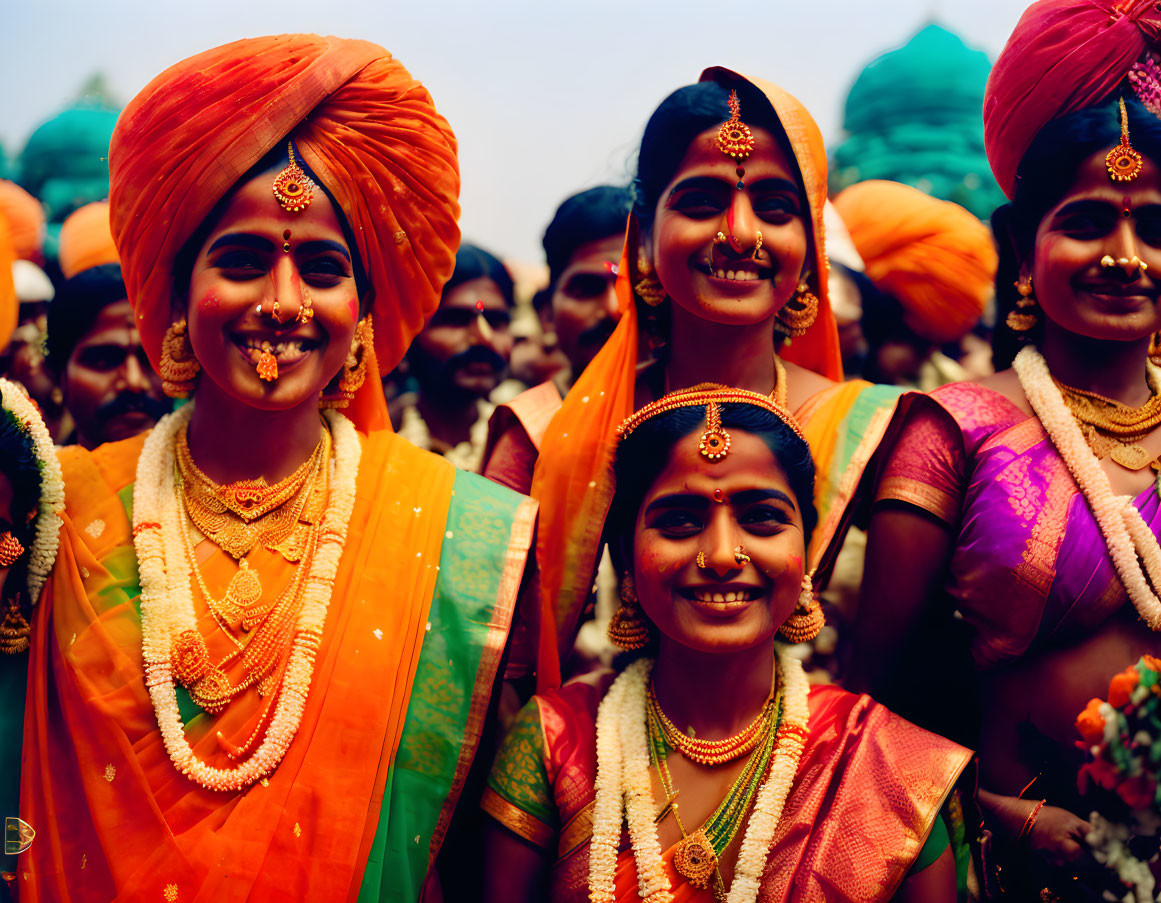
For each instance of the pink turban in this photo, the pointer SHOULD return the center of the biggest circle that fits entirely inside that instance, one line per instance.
(1063, 56)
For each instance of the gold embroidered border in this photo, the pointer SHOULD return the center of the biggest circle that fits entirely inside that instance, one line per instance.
(517, 820)
(577, 832)
(930, 499)
(519, 543)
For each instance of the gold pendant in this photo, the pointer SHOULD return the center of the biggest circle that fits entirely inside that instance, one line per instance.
(1131, 456)
(695, 859)
(243, 594)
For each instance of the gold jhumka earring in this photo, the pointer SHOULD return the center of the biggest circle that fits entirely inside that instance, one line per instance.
(354, 370)
(1123, 162)
(1023, 317)
(807, 620)
(648, 288)
(627, 628)
(178, 367)
(10, 549)
(735, 139)
(293, 188)
(799, 313)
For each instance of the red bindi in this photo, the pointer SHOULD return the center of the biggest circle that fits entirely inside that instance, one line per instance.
(479, 305)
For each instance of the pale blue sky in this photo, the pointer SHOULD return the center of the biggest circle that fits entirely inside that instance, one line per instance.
(546, 98)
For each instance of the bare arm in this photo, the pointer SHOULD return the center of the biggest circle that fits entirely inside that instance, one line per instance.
(934, 884)
(515, 871)
(907, 555)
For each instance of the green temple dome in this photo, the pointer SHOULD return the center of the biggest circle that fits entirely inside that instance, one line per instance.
(914, 116)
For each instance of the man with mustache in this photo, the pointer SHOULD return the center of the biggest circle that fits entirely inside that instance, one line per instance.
(459, 359)
(578, 312)
(94, 350)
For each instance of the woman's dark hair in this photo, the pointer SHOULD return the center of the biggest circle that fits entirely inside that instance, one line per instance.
(19, 464)
(1047, 171)
(681, 117)
(75, 309)
(474, 262)
(275, 159)
(642, 455)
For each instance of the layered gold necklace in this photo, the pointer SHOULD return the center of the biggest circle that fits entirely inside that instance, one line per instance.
(1112, 429)
(284, 517)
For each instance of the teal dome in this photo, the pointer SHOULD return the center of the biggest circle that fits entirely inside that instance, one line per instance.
(914, 116)
(66, 160)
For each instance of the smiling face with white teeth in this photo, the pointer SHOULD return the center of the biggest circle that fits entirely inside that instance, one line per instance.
(726, 606)
(726, 282)
(241, 268)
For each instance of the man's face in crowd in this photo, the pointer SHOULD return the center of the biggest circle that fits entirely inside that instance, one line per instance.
(109, 387)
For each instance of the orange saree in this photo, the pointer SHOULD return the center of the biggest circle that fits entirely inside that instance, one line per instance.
(396, 702)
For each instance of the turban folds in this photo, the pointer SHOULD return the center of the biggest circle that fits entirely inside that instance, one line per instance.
(934, 257)
(366, 128)
(25, 218)
(86, 240)
(1063, 56)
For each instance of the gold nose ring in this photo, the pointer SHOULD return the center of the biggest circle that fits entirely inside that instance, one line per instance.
(757, 245)
(1107, 262)
(720, 238)
(740, 555)
(701, 561)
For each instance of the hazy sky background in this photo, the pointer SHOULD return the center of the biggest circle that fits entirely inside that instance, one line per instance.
(546, 98)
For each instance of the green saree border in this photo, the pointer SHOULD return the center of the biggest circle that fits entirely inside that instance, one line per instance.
(490, 531)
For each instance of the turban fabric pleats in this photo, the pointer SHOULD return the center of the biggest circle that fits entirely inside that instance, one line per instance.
(360, 122)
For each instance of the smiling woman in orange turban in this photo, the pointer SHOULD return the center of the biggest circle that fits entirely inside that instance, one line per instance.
(222, 703)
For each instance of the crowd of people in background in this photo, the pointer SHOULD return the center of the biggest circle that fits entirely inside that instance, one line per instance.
(344, 559)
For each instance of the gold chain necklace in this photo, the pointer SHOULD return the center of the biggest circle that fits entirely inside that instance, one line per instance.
(239, 516)
(710, 752)
(1113, 429)
(261, 630)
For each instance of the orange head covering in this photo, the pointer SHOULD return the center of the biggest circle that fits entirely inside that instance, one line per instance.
(363, 125)
(1063, 56)
(9, 304)
(573, 480)
(933, 256)
(86, 240)
(25, 219)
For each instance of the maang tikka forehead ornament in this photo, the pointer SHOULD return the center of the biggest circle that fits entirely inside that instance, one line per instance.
(1123, 162)
(735, 139)
(293, 188)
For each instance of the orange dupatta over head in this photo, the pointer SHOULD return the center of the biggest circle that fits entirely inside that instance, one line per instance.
(364, 126)
(573, 480)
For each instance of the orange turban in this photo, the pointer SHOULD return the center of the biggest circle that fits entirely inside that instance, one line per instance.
(366, 128)
(934, 257)
(25, 219)
(573, 480)
(86, 240)
(1063, 56)
(9, 305)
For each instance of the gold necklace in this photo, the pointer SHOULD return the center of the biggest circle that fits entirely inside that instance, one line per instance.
(1113, 429)
(239, 516)
(710, 752)
(260, 630)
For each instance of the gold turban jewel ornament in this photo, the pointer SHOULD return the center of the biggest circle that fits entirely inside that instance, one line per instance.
(293, 188)
(715, 441)
(1123, 162)
(735, 139)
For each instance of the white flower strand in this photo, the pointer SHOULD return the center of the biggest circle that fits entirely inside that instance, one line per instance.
(623, 775)
(1130, 541)
(50, 506)
(167, 606)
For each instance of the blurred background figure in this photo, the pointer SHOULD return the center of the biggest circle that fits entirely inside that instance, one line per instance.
(929, 267)
(454, 367)
(94, 351)
(23, 358)
(582, 245)
(913, 116)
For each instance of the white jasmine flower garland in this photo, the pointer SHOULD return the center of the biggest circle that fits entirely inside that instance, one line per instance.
(167, 605)
(623, 777)
(1132, 545)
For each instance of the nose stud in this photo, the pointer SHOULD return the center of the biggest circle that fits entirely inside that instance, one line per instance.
(701, 561)
(740, 555)
(720, 238)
